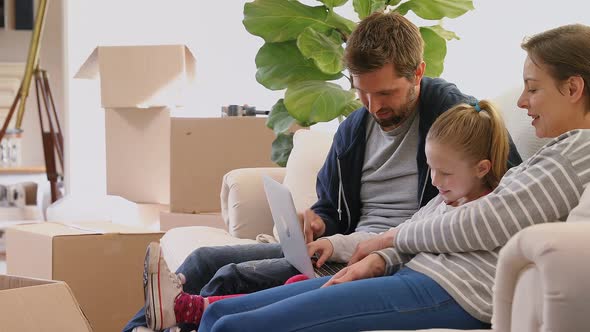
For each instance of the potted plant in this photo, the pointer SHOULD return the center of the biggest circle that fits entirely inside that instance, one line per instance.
(303, 49)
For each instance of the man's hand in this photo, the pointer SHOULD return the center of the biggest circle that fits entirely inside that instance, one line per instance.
(313, 225)
(382, 241)
(370, 267)
(323, 247)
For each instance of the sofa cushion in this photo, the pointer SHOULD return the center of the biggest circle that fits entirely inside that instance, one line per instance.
(310, 148)
(519, 123)
(582, 211)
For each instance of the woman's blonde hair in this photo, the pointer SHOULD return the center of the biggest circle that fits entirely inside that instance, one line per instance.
(478, 132)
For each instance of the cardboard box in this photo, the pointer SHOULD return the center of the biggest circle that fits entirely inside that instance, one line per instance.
(141, 76)
(101, 262)
(138, 154)
(39, 305)
(169, 220)
(204, 149)
(139, 85)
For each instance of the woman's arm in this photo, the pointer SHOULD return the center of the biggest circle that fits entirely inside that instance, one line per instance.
(544, 189)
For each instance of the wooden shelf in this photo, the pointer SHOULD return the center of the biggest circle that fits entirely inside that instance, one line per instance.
(22, 170)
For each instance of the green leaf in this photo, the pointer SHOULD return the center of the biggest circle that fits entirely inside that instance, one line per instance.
(352, 106)
(436, 9)
(316, 101)
(281, 64)
(446, 34)
(393, 2)
(333, 3)
(340, 23)
(365, 8)
(282, 20)
(435, 50)
(279, 119)
(325, 50)
(281, 149)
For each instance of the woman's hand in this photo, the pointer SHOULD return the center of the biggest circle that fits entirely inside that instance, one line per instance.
(370, 267)
(322, 247)
(382, 241)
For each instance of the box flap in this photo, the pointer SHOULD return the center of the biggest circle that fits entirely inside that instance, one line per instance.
(24, 245)
(48, 307)
(11, 282)
(108, 228)
(141, 76)
(54, 229)
(89, 70)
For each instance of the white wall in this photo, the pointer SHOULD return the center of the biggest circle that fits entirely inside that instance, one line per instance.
(14, 47)
(485, 62)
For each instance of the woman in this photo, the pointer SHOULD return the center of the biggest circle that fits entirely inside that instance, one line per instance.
(441, 286)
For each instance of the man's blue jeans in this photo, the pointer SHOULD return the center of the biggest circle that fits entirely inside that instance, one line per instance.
(408, 300)
(230, 270)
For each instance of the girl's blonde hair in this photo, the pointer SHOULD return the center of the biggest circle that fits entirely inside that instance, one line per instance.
(478, 132)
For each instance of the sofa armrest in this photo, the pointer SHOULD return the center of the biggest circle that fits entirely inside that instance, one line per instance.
(244, 207)
(541, 280)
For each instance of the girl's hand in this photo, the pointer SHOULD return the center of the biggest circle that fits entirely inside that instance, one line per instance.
(323, 248)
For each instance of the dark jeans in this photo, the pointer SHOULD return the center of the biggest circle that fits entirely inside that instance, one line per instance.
(229, 270)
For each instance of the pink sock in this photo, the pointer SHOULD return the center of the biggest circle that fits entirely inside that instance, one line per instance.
(296, 278)
(189, 308)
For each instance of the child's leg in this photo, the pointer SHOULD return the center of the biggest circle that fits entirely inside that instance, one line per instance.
(296, 278)
(189, 308)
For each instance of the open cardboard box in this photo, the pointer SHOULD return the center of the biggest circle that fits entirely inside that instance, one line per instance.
(101, 262)
(31, 305)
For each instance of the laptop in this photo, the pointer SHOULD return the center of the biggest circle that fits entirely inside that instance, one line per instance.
(289, 231)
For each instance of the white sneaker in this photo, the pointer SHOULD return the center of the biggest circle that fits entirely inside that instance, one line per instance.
(161, 288)
(142, 329)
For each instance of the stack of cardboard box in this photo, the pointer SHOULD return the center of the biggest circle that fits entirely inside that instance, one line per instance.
(176, 163)
(170, 167)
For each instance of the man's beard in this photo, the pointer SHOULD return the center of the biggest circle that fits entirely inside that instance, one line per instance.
(398, 116)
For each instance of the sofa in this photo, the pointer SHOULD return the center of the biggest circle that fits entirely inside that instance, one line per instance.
(541, 277)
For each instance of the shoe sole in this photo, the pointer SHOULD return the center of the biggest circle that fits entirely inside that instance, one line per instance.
(151, 286)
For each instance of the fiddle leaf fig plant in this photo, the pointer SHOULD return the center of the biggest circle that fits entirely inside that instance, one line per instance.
(303, 51)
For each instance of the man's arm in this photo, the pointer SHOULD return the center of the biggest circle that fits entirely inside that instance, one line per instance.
(327, 188)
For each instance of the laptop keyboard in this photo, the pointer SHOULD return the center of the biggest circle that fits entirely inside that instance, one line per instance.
(328, 269)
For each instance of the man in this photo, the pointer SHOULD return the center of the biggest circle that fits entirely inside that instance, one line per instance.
(374, 177)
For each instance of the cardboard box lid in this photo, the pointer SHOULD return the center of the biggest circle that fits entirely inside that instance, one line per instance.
(33, 304)
(54, 229)
(141, 76)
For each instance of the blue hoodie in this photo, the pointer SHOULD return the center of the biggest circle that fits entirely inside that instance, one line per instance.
(339, 180)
